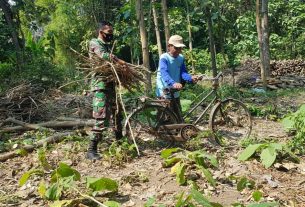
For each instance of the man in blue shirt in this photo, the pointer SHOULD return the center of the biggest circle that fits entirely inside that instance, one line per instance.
(172, 71)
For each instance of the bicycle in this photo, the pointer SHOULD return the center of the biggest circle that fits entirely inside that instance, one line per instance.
(229, 119)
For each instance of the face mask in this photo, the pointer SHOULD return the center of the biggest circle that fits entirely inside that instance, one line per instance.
(108, 37)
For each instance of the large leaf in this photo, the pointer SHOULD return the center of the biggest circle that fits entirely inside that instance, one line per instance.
(248, 152)
(64, 170)
(25, 177)
(268, 156)
(100, 184)
(168, 152)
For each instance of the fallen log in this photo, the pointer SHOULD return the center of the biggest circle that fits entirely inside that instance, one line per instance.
(26, 125)
(53, 125)
(29, 148)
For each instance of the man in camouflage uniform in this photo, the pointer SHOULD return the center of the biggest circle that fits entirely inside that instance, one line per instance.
(105, 106)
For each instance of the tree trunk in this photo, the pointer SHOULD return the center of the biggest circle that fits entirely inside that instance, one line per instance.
(212, 45)
(9, 17)
(263, 38)
(140, 17)
(157, 28)
(189, 28)
(166, 22)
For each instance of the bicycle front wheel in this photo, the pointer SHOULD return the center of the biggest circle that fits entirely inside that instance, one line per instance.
(146, 122)
(230, 122)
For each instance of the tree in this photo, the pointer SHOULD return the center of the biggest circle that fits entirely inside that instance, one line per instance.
(145, 53)
(14, 26)
(263, 38)
(157, 27)
(165, 20)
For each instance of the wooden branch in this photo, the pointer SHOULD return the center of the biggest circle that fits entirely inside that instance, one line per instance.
(26, 125)
(29, 148)
(51, 124)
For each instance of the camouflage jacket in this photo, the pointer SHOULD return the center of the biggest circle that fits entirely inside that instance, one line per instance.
(100, 48)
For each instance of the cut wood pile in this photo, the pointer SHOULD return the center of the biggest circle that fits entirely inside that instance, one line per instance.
(284, 74)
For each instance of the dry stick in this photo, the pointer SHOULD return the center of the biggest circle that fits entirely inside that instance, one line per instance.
(123, 106)
(29, 148)
(89, 197)
(51, 124)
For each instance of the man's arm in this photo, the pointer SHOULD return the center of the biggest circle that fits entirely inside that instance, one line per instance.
(164, 72)
(185, 75)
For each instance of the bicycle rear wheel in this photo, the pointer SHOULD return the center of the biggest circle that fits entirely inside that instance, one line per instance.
(147, 121)
(230, 122)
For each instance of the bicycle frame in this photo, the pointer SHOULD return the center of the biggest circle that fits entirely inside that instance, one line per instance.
(213, 93)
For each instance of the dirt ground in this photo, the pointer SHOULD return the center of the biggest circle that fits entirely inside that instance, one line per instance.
(144, 177)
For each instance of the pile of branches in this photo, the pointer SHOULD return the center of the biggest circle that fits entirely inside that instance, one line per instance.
(277, 67)
(129, 76)
(22, 102)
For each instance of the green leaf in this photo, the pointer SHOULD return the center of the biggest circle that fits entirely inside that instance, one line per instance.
(179, 169)
(112, 204)
(291, 154)
(257, 195)
(54, 192)
(248, 152)
(268, 156)
(64, 170)
(288, 123)
(150, 202)
(100, 184)
(208, 176)
(213, 160)
(198, 197)
(25, 177)
(263, 204)
(276, 146)
(168, 152)
(171, 161)
(245, 182)
(61, 203)
(185, 104)
(42, 189)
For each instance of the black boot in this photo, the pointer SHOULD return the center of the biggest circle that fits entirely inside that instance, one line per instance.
(92, 149)
(118, 135)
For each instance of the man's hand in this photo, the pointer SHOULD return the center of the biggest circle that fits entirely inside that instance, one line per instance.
(195, 78)
(177, 86)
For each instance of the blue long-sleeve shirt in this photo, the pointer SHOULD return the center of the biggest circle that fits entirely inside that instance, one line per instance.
(171, 70)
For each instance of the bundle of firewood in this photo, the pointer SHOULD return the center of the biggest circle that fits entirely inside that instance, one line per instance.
(129, 76)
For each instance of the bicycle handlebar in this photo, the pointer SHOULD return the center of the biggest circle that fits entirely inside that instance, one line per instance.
(201, 77)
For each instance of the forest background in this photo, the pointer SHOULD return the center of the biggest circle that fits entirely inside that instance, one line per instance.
(36, 37)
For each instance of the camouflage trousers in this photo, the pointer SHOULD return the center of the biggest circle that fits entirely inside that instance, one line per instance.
(106, 110)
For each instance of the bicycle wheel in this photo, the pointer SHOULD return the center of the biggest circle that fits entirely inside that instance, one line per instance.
(147, 121)
(230, 122)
